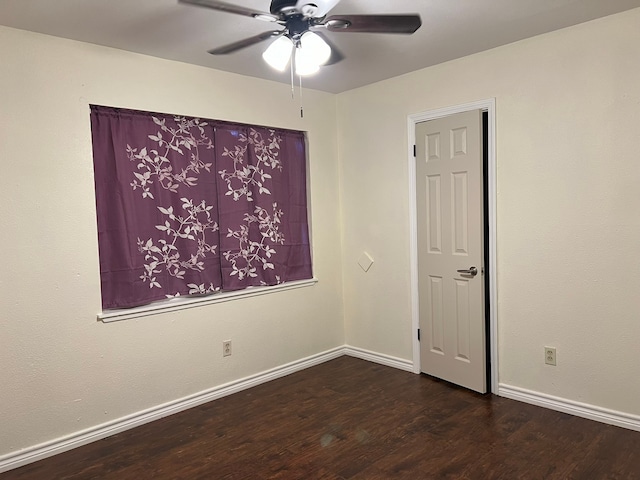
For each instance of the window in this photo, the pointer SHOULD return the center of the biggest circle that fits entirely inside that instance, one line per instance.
(189, 206)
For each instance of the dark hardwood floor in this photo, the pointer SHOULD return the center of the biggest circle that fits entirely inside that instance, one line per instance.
(351, 419)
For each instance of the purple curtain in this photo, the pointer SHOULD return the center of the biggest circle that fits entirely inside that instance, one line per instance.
(262, 202)
(193, 206)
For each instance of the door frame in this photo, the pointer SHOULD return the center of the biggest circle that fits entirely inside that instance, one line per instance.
(489, 106)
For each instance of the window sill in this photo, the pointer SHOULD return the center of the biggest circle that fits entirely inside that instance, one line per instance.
(182, 303)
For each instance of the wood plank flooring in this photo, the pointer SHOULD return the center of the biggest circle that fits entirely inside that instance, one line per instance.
(352, 419)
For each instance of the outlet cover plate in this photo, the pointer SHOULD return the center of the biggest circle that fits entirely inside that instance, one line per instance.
(550, 356)
(226, 348)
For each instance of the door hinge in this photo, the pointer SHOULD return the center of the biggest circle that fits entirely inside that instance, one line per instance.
(415, 152)
(418, 334)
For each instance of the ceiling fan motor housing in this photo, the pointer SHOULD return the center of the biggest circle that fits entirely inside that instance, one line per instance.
(282, 6)
(306, 9)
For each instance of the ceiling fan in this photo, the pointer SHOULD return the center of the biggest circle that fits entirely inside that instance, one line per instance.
(303, 22)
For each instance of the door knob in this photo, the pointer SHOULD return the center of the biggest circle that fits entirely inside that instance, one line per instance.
(473, 271)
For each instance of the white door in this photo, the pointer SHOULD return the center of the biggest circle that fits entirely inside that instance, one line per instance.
(451, 249)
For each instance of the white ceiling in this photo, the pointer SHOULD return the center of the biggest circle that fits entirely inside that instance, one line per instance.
(163, 28)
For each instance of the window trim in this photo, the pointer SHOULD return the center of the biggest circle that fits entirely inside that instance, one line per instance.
(183, 303)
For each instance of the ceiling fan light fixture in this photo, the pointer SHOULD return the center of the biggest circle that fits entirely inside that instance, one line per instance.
(278, 54)
(311, 52)
(315, 47)
(305, 64)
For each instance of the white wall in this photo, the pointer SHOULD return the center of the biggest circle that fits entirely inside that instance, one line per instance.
(61, 371)
(568, 133)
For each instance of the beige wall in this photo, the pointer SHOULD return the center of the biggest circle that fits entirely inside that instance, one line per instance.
(568, 206)
(61, 371)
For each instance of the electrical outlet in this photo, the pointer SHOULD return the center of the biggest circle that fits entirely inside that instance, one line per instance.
(550, 356)
(226, 348)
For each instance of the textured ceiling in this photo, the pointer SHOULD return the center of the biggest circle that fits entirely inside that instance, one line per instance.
(166, 29)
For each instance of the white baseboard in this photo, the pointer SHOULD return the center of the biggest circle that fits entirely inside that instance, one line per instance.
(69, 442)
(584, 410)
(380, 358)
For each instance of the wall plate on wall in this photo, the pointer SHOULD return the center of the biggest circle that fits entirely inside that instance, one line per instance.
(365, 261)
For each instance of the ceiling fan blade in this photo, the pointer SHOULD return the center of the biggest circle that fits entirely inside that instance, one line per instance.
(247, 42)
(229, 8)
(373, 23)
(336, 54)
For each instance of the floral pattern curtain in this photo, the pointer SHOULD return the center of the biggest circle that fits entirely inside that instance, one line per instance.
(194, 206)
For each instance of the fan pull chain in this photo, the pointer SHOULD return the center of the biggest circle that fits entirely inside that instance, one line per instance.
(301, 107)
(292, 63)
(293, 93)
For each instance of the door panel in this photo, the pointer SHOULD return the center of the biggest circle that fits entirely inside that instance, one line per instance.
(435, 313)
(459, 213)
(463, 318)
(434, 215)
(449, 201)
